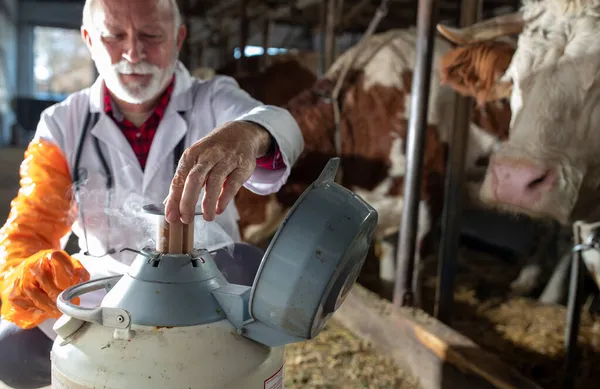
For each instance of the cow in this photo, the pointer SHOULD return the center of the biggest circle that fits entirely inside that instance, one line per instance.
(548, 168)
(279, 82)
(285, 77)
(374, 104)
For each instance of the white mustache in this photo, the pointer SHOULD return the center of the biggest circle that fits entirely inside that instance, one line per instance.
(125, 67)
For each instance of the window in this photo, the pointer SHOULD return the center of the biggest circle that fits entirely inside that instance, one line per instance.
(256, 50)
(62, 63)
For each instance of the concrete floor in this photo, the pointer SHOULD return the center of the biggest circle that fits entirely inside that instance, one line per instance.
(10, 159)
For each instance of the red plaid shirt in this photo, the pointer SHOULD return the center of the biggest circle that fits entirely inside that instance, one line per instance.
(141, 138)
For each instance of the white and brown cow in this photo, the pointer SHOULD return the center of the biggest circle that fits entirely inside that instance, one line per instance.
(550, 167)
(374, 104)
(287, 75)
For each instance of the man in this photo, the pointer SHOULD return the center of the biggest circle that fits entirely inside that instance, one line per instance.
(120, 140)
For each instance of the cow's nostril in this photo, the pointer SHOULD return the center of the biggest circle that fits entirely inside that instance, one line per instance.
(539, 180)
(520, 182)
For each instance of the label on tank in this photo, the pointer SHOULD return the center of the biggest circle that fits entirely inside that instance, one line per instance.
(275, 381)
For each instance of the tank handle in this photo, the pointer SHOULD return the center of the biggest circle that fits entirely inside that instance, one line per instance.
(104, 316)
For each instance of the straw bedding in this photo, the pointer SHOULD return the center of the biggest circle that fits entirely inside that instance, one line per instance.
(521, 331)
(336, 359)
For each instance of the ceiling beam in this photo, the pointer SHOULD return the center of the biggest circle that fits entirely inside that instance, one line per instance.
(222, 19)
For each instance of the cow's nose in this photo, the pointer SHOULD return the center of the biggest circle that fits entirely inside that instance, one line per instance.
(520, 183)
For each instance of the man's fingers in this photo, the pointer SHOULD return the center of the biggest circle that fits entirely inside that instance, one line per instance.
(234, 182)
(214, 185)
(193, 187)
(172, 206)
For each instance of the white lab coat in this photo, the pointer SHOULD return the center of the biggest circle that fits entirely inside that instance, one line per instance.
(217, 101)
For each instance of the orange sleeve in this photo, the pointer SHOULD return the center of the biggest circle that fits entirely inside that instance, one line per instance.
(33, 268)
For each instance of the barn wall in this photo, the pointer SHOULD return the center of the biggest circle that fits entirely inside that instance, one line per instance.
(8, 66)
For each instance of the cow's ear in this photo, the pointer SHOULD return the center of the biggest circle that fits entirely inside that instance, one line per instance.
(588, 71)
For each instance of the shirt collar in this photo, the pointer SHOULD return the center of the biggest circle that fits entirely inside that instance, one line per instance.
(111, 109)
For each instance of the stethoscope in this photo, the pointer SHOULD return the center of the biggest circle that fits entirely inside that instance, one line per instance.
(80, 175)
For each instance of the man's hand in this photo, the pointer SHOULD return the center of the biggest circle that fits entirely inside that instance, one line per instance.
(222, 161)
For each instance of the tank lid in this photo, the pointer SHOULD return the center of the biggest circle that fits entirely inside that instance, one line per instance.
(313, 260)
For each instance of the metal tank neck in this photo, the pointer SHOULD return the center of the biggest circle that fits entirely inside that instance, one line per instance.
(172, 283)
(171, 238)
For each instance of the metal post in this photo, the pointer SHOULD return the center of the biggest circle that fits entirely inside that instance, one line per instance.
(330, 35)
(322, 28)
(242, 65)
(426, 20)
(225, 53)
(186, 49)
(455, 178)
(202, 54)
(266, 32)
(339, 14)
(573, 315)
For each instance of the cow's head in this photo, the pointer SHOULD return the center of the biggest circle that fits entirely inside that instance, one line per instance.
(550, 166)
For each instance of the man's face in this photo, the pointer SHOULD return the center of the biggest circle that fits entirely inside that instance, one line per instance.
(134, 45)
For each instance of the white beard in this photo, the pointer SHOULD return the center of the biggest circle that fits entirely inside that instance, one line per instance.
(134, 92)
